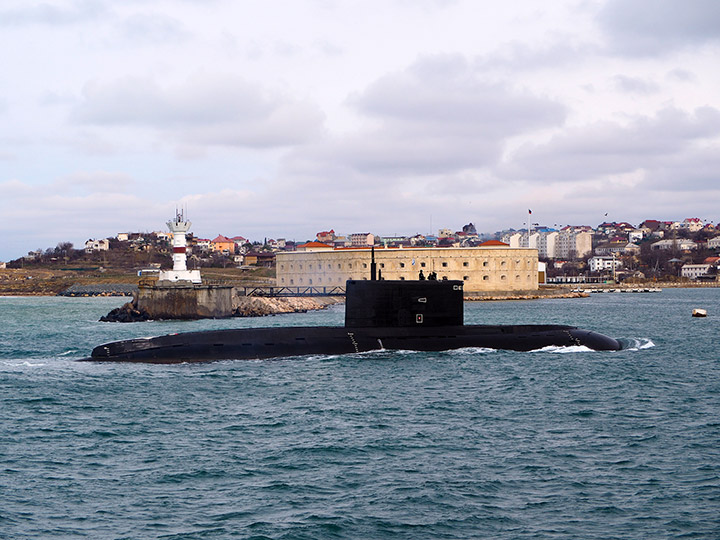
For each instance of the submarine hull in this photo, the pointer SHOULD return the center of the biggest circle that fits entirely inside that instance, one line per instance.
(261, 343)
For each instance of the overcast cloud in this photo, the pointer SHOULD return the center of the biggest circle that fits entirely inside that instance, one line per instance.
(281, 119)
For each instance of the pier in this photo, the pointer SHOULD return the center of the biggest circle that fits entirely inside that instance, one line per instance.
(288, 291)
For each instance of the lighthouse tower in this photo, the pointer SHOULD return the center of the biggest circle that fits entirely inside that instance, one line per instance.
(179, 228)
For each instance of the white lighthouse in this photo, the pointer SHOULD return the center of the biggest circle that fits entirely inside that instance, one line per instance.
(179, 228)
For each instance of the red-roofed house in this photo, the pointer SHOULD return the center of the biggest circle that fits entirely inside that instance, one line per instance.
(692, 224)
(313, 246)
(490, 243)
(222, 244)
(326, 237)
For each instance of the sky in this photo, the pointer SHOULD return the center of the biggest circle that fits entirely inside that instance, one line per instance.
(282, 118)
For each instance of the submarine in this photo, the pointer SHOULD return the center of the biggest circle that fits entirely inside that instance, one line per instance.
(423, 315)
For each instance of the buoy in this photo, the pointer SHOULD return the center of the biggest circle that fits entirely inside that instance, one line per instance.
(697, 312)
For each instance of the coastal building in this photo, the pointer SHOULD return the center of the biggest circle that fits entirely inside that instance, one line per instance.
(222, 244)
(694, 271)
(546, 244)
(493, 266)
(513, 239)
(680, 244)
(203, 244)
(636, 235)
(326, 237)
(573, 244)
(566, 244)
(692, 224)
(260, 258)
(314, 246)
(714, 243)
(97, 245)
(604, 263)
(362, 239)
(239, 241)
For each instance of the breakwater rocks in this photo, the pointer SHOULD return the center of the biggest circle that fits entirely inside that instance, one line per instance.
(126, 313)
(243, 306)
(524, 295)
(256, 306)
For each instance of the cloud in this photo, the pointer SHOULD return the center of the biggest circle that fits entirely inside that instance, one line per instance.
(42, 216)
(438, 116)
(51, 13)
(153, 28)
(638, 27)
(95, 181)
(611, 148)
(517, 55)
(691, 172)
(635, 85)
(205, 111)
(682, 75)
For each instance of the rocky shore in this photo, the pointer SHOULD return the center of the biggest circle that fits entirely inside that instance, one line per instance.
(126, 313)
(542, 292)
(525, 296)
(243, 306)
(256, 306)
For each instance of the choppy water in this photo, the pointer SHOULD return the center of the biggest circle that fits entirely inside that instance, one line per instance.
(559, 443)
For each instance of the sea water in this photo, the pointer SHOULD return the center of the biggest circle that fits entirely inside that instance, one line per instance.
(473, 443)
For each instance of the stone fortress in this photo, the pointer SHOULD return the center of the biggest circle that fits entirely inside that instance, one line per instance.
(492, 266)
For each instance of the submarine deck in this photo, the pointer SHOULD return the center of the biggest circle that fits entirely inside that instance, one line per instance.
(260, 343)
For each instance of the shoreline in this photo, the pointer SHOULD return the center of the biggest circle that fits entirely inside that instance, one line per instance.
(474, 296)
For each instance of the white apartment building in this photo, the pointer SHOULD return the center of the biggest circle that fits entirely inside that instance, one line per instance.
(546, 244)
(553, 245)
(679, 243)
(692, 271)
(636, 236)
(604, 263)
(571, 244)
(97, 245)
(513, 240)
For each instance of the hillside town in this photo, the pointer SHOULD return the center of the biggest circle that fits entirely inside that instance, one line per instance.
(654, 249)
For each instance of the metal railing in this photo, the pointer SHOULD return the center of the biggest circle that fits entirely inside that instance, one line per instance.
(290, 291)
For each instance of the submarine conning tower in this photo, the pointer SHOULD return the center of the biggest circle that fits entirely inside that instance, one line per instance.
(398, 303)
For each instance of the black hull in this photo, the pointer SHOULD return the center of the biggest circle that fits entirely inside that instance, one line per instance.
(259, 343)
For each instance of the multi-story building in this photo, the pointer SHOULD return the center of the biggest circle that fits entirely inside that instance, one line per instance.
(222, 244)
(513, 239)
(573, 244)
(692, 224)
(546, 244)
(326, 237)
(97, 245)
(490, 267)
(550, 244)
(693, 271)
(603, 263)
(362, 239)
(680, 244)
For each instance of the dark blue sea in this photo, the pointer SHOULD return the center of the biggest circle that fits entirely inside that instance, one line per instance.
(474, 443)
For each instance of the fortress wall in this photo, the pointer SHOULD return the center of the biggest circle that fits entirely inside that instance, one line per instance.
(492, 268)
